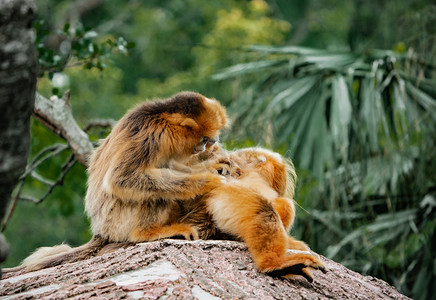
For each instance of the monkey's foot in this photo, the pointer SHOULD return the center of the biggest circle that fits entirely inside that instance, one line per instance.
(297, 263)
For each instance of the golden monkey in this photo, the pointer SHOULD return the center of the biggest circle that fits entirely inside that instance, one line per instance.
(132, 195)
(254, 207)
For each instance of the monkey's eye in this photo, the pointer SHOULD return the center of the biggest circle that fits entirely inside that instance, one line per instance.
(204, 140)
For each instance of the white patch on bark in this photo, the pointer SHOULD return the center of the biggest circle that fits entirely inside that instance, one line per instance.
(162, 269)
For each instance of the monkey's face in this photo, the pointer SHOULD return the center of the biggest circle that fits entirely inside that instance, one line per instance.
(205, 144)
(197, 122)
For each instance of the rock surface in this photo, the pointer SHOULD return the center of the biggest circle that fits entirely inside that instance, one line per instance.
(175, 269)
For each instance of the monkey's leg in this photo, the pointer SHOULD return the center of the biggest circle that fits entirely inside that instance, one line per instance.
(268, 243)
(296, 244)
(286, 210)
(244, 213)
(140, 234)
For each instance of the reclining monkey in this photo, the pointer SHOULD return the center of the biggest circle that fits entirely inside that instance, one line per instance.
(254, 207)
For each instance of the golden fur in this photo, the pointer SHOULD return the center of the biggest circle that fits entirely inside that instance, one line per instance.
(132, 194)
(254, 206)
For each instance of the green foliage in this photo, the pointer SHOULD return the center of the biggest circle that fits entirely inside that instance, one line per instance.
(364, 126)
(225, 32)
(73, 47)
(359, 124)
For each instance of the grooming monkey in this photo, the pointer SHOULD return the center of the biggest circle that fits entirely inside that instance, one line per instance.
(133, 195)
(255, 206)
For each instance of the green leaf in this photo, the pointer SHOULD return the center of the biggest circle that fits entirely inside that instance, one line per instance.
(340, 114)
(66, 28)
(427, 102)
(90, 35)
(55, 91)
(368, 112)
(296, 90)
(130, 45)
(245, 68)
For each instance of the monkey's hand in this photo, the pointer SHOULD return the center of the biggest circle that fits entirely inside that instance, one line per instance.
(226, 168)
(174, 165)
(220, 169)
(190, 233)
(160, 183)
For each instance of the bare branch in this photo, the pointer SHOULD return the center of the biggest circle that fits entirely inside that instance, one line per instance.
(51, 184)
(14, 204)
(39, 158)
(60, 180)
(28, 199)
(99, 123)
(30, 170)
(56, 114)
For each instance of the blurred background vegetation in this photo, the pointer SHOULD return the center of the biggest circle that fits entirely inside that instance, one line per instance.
(346, 89)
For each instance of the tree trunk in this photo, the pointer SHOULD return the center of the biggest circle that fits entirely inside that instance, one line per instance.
(18, 73)
(177, 269)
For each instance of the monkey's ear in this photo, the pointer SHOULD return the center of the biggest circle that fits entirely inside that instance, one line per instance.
(181, 120)
(188, 122)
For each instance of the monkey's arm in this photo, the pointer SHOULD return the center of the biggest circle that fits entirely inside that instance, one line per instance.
(157, 183)
(220, 167)
(177, 166)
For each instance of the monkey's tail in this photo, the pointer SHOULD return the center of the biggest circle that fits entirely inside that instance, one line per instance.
(47, 257)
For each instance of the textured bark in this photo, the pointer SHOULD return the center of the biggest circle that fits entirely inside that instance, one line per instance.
(175, 269)
(17, 90)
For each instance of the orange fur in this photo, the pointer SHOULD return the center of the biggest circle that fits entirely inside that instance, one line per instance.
(255, 206)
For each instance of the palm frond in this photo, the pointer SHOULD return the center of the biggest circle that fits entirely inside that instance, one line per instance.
(363, 126)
